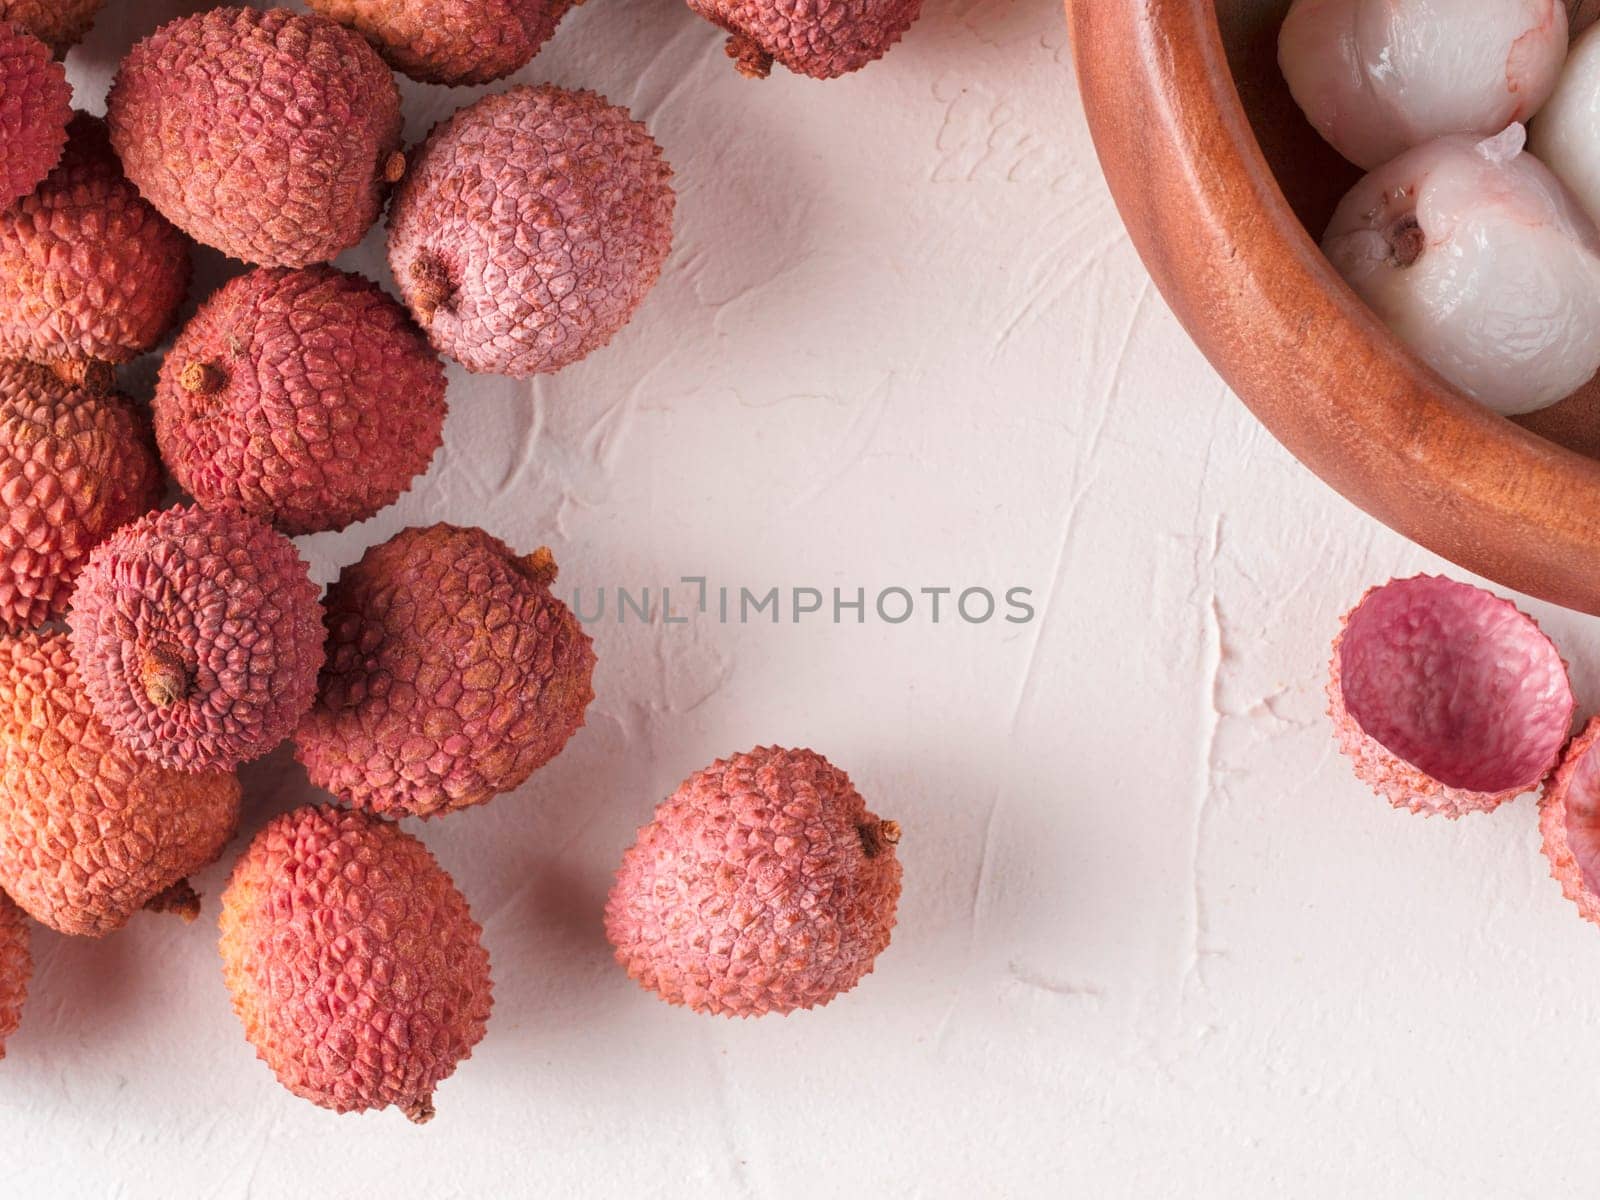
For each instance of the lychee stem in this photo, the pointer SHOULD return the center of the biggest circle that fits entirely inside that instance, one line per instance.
(180, 899)
(202, 378)
(1406, 243)
(91, 374)
(165, 678)
(753, 62)
(420, 1112)
(432, 286)
(540, 566)
(394, 168)
(875, 837)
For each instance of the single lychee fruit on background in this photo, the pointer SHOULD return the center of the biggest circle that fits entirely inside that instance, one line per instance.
(820, 38)
(452, 42)
(762, 885)
(1377, 79)
(199, 637)
(1447, 699)
(308, 398)
(35, 107)
(452, 674)
(88, 270)
(60, 24)
(353, 962)
(90, 833)
(529, 227)
(1480, 261)
(271, 136)
(1569, 820)
(16, 968)
(73, 467)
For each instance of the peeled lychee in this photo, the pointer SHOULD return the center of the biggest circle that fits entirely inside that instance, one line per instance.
(308, 398)
(353, 962)
(820, 38)
(452, 674)
(451, 41)
(16, 968)
(1447, 699)
(529, 228)
(89, 832)
(762, 885)
(199, 637)
(73, 467)
(35, 106)
(1377, 77)
(271, 136)
(88, 270)
(60, 24)
(1482, 263)
(1566, 137)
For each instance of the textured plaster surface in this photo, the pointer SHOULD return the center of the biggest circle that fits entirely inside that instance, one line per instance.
(1155, 938)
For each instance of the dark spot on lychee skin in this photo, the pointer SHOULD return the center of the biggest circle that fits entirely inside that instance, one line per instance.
(874, 838)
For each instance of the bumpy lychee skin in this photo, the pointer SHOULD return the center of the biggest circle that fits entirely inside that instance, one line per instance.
(90, 833)
(1447, 699)
(35, 106)
(353, 962)
(60, 24)
(199, 637)
(452, 674)
(529, 228)
(16, 968)
(451, 42)
(271, 136)
(762, 885)
(88, 270)
(73, 467)
(820, 38)
(1569, 820)
(308, 398)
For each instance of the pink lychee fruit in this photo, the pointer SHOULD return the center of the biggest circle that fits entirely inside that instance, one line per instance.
(762, 885)
(35, 106)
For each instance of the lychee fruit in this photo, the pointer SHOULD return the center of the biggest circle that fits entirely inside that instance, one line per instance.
(88, 270)
(16, 968)
(73, 467)
(199, 637)
(453, 42)
(452, 674)
(271, 136)
(60, 24)
(353, 962)
(820, 38)
(529, 228)
(90, 833)
(1447, 699)
(762, 885)
(1377, 79)
(35, 107)
(308, 398)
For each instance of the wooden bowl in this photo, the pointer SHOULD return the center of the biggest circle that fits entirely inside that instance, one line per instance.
(1225, 188)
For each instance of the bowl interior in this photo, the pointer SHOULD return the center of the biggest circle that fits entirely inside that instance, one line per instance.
(1313, 177)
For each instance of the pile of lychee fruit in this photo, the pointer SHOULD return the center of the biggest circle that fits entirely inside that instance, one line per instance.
(149, 651)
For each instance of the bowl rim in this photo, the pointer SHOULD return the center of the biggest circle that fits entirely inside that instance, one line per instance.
(1291, 339)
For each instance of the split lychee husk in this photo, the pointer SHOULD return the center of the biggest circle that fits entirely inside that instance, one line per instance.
(1446, 698)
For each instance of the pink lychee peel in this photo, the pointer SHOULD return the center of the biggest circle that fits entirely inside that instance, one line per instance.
(1448, 699)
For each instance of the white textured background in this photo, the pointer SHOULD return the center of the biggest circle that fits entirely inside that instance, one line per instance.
(1155, 940)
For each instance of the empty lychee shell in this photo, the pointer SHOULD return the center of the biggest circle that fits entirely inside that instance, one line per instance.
(1569, 820)
(1447, 698)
